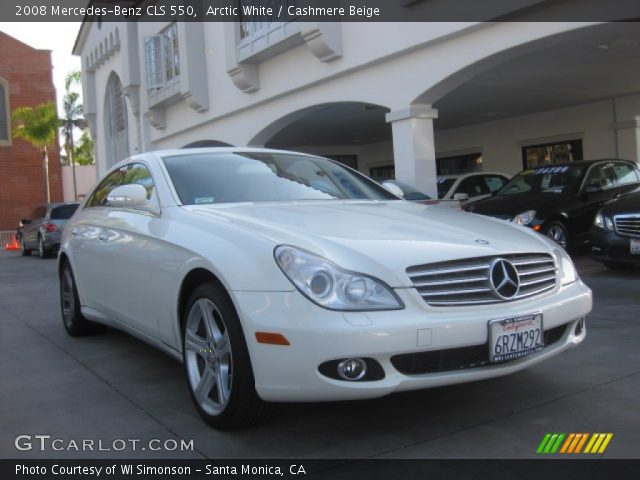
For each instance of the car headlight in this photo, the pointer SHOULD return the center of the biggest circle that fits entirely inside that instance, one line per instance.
(332, 287)
(603, 222)
(568, 272)
(524, 218)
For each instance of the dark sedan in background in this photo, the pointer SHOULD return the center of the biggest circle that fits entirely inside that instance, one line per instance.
(615, 235)
(561, 201)
(42, 231)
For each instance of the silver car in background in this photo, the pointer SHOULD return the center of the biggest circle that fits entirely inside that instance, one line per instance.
(42, 231)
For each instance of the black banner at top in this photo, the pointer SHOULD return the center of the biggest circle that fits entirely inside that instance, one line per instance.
(318, 10)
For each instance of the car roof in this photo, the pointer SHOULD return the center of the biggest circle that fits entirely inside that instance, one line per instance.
(60, 204)
(582, 163)
(470, 174)
(186, 151)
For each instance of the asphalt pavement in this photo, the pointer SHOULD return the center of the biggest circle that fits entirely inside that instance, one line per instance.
(116, 391)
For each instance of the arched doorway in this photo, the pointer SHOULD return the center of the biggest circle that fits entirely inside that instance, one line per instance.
(353, 133)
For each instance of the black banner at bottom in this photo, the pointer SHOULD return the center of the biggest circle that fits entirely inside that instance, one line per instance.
(549, 469)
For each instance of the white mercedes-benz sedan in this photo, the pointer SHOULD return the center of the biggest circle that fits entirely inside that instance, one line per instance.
(278, 276)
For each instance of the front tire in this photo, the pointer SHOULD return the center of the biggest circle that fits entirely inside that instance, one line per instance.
(74, 322)
(217, 363)
(557, 231)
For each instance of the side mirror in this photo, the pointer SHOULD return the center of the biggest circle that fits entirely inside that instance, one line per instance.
(393, 188)
(132, 195)
(461, 197)
(24, 221)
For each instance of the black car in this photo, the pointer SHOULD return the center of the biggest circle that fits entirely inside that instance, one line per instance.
(561, 200)
(615, 234)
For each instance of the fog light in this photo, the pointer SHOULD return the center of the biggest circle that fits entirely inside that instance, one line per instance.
(579, 327)
(352, 369)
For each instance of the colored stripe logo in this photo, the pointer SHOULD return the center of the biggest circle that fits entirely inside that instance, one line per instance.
(574, 443)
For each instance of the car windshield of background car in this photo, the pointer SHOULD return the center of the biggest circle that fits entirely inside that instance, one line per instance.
(559, 179)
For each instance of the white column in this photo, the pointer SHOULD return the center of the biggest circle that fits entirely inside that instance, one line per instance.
(628, 139)
(414, 148)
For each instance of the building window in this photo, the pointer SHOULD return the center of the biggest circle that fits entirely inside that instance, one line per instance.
(385, 171)
(550, 153)
(5, 126)
(162, 55)
(453, 165)
(116, 131)
(253, 23)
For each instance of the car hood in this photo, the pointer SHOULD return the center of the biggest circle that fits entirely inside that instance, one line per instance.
(629, 203)
(508, 206)
(378, 238)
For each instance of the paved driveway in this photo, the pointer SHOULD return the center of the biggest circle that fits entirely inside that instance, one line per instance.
(112, 387)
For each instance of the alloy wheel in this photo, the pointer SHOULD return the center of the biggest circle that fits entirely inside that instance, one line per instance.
(208, 356)
(558, 234)
(68, 298)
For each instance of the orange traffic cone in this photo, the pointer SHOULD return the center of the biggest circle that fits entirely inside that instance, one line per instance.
(13, 245)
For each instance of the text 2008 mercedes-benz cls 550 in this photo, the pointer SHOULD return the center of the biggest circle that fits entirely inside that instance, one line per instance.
(276, 276)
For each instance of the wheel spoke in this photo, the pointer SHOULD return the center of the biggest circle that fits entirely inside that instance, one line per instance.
(207, 381)
(213, 331)
(222, 384)
(196, 343)
(222, 345)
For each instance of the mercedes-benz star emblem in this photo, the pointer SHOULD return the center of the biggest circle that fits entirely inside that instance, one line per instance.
(504, 279)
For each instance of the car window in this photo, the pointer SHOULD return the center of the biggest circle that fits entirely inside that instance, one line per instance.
(494, 182)
(558, 179)
(139, 174)
(99, 196)
(63, 212)
(473, 186)
(410, 193)
(601, 176)
(444, 184)
(209, 178)
(624, 174)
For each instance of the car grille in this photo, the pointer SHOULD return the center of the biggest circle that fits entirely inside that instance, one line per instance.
(467, 282)
(457, 358)
(628, 225)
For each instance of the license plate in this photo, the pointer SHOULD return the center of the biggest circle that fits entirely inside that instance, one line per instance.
(635, 247)
(515, 337)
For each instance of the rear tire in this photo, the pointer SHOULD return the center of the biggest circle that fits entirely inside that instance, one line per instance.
(216, 361)
(23, 249)
(42, 250)
(74, 322)
(557, 232)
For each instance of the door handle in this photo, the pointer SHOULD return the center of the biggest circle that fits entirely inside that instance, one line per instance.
(75, 231)
(103, 235)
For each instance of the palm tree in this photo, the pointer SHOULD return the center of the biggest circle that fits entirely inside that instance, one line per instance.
(38, 126)
(72, 118)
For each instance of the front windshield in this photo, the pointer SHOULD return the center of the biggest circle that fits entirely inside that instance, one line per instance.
(444, 184)
(561, 179)
(207, 178)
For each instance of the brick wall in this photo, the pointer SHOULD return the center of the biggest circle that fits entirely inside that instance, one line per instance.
(29, 75)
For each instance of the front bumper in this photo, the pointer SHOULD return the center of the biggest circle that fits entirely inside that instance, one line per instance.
(608, 246)
(316, 335)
